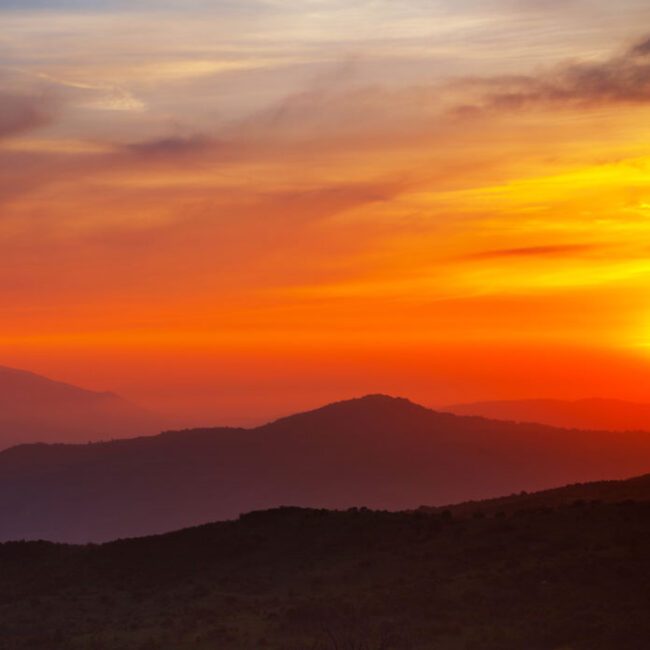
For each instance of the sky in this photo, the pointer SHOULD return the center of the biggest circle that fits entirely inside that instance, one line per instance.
(234, 210)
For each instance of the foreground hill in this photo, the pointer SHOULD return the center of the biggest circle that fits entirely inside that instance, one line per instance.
(578, 494)
(37, 409)
(594, 414)
(571, 577)
(378, 451)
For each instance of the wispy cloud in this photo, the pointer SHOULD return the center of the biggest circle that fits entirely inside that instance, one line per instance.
(550, 250)
(175, 147)
(23, 112)
(107, 6)
(620, 79)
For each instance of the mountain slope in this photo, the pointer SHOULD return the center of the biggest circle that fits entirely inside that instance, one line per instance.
(376, 451)
(37, 409)
(594, 414)
(575, 495)
(567, 577)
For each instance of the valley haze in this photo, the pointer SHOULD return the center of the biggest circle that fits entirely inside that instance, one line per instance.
(376, 451)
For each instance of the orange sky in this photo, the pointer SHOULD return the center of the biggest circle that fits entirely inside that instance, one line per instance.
(233, 210)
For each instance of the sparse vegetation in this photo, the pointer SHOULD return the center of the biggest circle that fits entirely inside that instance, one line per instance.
(548, 578)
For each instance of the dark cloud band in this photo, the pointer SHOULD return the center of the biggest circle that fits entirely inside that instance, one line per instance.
(621, 79)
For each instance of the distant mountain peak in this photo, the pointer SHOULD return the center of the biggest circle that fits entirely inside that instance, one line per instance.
(376, 450)
(19, 379)
(589, 413)
(34, 408)
(382, 398)
(374, 400)
(375, 405)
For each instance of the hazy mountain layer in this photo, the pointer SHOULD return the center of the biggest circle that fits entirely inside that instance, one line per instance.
(377, 451)
(604, 414)
(37, 409)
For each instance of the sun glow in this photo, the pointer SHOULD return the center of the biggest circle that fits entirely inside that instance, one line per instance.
(276, 183)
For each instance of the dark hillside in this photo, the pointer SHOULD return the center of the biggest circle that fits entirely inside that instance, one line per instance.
(377, 451)
(573, 577)
(634, 489)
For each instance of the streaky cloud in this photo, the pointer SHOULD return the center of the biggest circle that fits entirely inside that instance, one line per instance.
(550, 250)
(642, 48)
(21, 113)
(174, 146)
(622, 79)
(108, 6)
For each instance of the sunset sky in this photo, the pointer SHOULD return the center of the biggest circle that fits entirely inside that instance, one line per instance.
(235, 209)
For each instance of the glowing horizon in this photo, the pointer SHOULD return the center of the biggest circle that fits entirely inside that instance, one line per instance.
(238, 209)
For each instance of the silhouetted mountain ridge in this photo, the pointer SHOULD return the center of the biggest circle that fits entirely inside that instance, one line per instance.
(37, 409)
(632, 489)
(589, 413)
(571, 575)
(375, 451)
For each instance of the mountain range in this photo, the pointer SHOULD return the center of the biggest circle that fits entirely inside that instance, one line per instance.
(37, 409)
(593, 413)
(377, 451)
